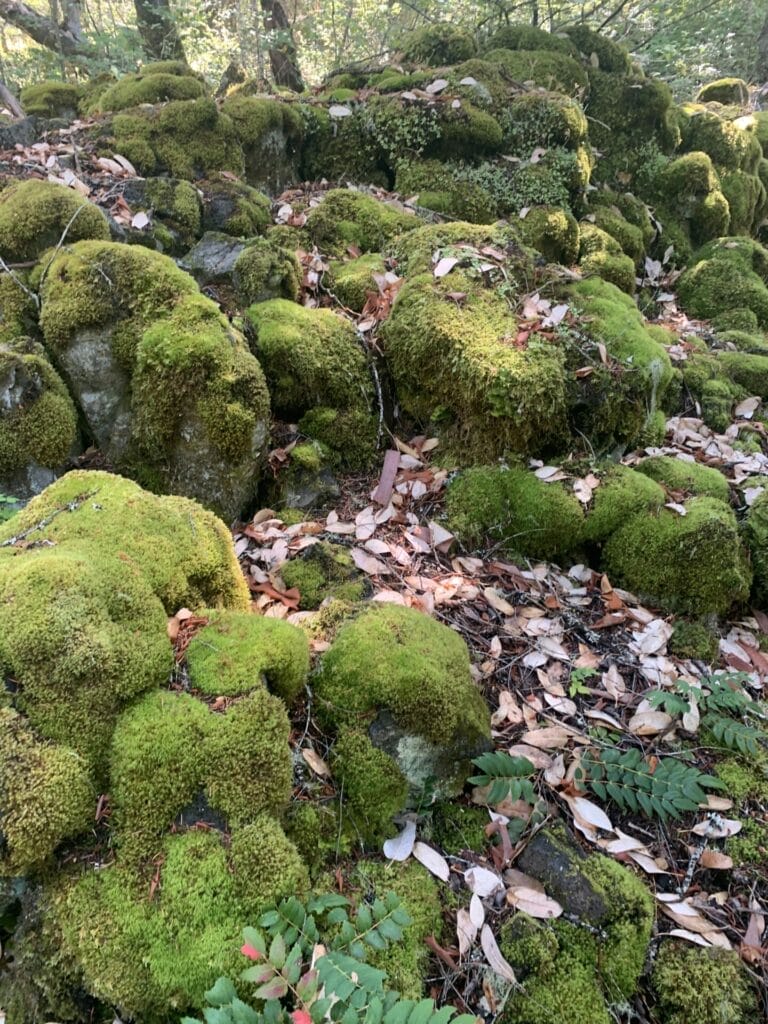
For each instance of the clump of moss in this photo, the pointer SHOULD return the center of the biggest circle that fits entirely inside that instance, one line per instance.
(442, 187)
(51, 98)
(750, 846)
(690, 477)
(756, 536)
(745, 779)
(351, 281)
(554, 232)
(346, 217)
(266, 270)
(706, 985)
(238, 652)
(541, 119)
(514, 509)
(529, 37)
(34, 216)
(724, 90)
(629, 236)
(610, 56)
(38, 425)
(149, 86)
(310, 357)
(186, 138)
(438, 44)
(622, 494)
(323, 571)
(614, 268)
(47, 795)
(270, 133)
(173, 205)
(693, 640)
(735, 320)
(729, 145)
(693, 563)
(373, 787)
(234, 207)
(456, 827)
(313, 827)
(547, 68)
(349, 436)
(266, 864)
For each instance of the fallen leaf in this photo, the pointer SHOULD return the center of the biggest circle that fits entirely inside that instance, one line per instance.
(433, 861)
(401, 847)
(444, 266)
(482, 882)
(533, 902)
(494, 957)
(315, 762)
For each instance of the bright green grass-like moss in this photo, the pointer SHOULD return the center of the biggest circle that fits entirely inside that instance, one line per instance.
(540, 119)
(456, 827)
(399, 659)
(724, 90)
(267, 866)
(690, 477)
(47, 795)
(614, 268)
(610, 55)
(346, 217)
(622, 494)
(693, 563)
(311, 357)
(735, 320)
(709, 986)
(237, 651)
(157, 87)
(694, 640)
(349, 435)
(554, 232)
(352, 281)
(629, 237)
(529, 37)
(512, 507)
(34, 215)
(234, 207)
(373, 787)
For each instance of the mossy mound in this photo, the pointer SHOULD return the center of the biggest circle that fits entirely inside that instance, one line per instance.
(622, 494)
(445, 188)
(513, 508)
(373, 787)
(323, 571)
(756, 535)
(438, 44)
(83, 614)
(408, 677)
(348, 436)
(270, 133)
(35, 215)
(188, 139)
(266, 270)
(233, 207)
(174, 208)
(347, 218)
(550, 69)
(352, 281)
(692, 562)
(149, 86)
(694, 640)
(727, 274)
(132, 335)
(692, 478)
(51, 98)
(724, 90)
(529, 37)
(554, 232)
(38, 421)
(238, 652)
(706, 985)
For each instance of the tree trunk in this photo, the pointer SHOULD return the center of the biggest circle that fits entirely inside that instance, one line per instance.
(282, 48)
(11, 104)
(159, 35)
(44, 30)
(761, 64)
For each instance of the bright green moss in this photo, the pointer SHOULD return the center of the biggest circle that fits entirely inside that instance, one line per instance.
(40, 425)
(149, 87)
(310, 357)
(347, 218)
(186, 138)
(352, 281)
(750, 846)
(35, 214)
(729, 146)
(465, 132)
(414, 251)
(314, 828)
(237, 652)
(709, 986)
(746, 200)
(51, 98)
(456, 827)
(629, 237)
(549, 69)
(692, 478)
(157, 767)
(610, 56)
(439, 186)
(248, 760)
(735, 320)
(529, 37)
(321, 571)
(744, 779)
(747, 252)
(18, 313)
(373, 789)
(593, 239)
(694, 640)
(541, 119)
(47, 795)
(438, 44)
(756, 535)
(455, 361)
(307, 456)
(406, 961)
(554, 232)
(265, 270)
(693, 563)
(177, 204)
(622, 494)
(747, 370)
(616, 269)
(754, 343)
(399, 659)
(724, 90)
(514, 509)
(348, 435)
(632, 209)
(270, 133)
(267, 866)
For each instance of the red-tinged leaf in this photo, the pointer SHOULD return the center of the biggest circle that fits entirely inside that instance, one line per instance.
(275, 989)
(250, 951)
(300, 1017)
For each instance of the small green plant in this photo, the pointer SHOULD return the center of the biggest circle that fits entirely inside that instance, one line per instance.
(309, 966)
(8, 507)
(576, 682)
(507, 776)
(663, 789)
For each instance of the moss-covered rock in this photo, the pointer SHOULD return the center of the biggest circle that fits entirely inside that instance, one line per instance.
(238, 652)
(38, 421)
(47, 795)
(438, 44)
(348, 218)
(348, 436)
(311, 357)
(756, 535)
(323, 571)
(185, 138)
(706, 985)
(174, 209)
(692, 478)
(735, 320)
(149, 86)
(542, 120)
(692, 563)
(730, 146)
(511, 507)
(83, 614)
(614, 268)
(554, 232)
(694, 640)
(550, 69)
(351, 281)
(529, 37)
(408, 677)
(266, 270)
(270, 133)
(622, 494)
(233, 207)
(132, 335)
(443, 188)
(372, 786)
(51, 98)
(34, 215)
(724, 90)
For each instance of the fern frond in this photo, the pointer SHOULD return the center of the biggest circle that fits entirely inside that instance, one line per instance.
(507, 776)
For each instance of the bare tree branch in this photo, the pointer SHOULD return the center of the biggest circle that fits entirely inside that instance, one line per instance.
(43, 30)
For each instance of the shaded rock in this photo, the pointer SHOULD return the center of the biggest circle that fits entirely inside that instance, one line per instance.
(213, 258)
